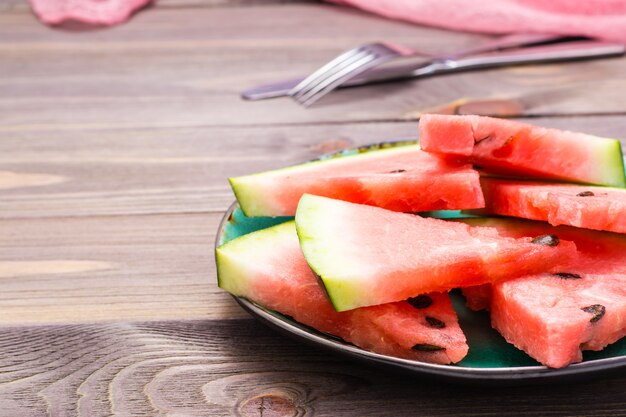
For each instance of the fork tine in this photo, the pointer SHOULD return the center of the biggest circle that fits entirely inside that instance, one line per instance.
(328, 84)
(319, 76)
(342, 69)
(328, 67)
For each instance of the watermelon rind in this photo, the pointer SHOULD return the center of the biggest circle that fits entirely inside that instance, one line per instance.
(612, 163)
(250, 195)
(230, 273)
(340, 291)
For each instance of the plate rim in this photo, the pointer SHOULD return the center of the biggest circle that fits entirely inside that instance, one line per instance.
(521, 373)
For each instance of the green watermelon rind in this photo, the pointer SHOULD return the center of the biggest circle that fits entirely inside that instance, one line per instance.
(229, 271)
(250, 197)
(338, 290)
(613, 165)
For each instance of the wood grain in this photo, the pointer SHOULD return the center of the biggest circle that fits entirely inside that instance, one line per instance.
(229, 368)
(121, 171)
(110, 268)
(153, 74)
(115, 146)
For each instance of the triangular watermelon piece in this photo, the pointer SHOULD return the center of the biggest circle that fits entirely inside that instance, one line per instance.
(402, 178)
(554, 316)
(367, 255)
(598, 208)
(513, 148)
(267, 267)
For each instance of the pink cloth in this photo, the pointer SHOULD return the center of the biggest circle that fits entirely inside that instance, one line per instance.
(605, 19)
(95, 12)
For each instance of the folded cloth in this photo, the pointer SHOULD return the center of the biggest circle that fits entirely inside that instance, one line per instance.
(604, 19)
(95, 12)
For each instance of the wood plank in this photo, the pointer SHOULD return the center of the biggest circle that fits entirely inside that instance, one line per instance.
(149, 73)
(51, 173)
(74, 173)
(110, 268)
(22, 6)
(238, 367)
(13, 6)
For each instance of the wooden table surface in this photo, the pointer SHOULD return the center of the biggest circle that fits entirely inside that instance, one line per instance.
(115, 146)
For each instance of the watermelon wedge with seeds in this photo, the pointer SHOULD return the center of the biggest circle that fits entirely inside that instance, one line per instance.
(268, 267)
(598, 208)
(368, 255)
(513, 148)
(553, 316)
(402, 178)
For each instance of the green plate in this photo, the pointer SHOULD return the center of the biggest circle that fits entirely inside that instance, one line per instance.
(490, 357)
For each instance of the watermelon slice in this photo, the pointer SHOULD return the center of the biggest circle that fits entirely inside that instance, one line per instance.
(554, 316)
(402, 178)
(599, 208)
(367, 255)
(513, 148)
(267, 267)
(478, 297)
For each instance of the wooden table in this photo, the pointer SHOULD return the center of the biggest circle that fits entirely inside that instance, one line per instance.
(115, 146)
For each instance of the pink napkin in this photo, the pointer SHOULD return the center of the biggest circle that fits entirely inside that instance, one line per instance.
(605, 19)
(95, 12)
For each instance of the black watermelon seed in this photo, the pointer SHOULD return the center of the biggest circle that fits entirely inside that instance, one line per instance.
(425, 347)
(585, 194)
(567, 275)
(421, 301)
(597, 310)
(548, 240)
(397, 171)
(436, 323)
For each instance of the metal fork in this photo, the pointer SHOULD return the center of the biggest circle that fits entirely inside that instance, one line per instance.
(365, 57)
(346, 66)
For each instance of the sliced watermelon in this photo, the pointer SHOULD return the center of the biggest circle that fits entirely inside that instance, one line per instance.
(402, 178)
(598, 208)
(478, 297)
(513, 148)
(367, 255)
(554, 316)
(267, 267)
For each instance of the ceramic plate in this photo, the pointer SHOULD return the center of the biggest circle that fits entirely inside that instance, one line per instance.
(490, 357)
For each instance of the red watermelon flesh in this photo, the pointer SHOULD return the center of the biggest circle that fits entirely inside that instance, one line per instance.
(368, 255)
(598, 208)
(554, 316)
(478, 297)
(267, 267)
(513, 148)
(403, 179)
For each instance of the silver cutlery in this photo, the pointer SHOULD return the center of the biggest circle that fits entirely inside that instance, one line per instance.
(360, 65)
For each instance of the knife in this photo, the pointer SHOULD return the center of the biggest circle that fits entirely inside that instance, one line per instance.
(566, 51)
